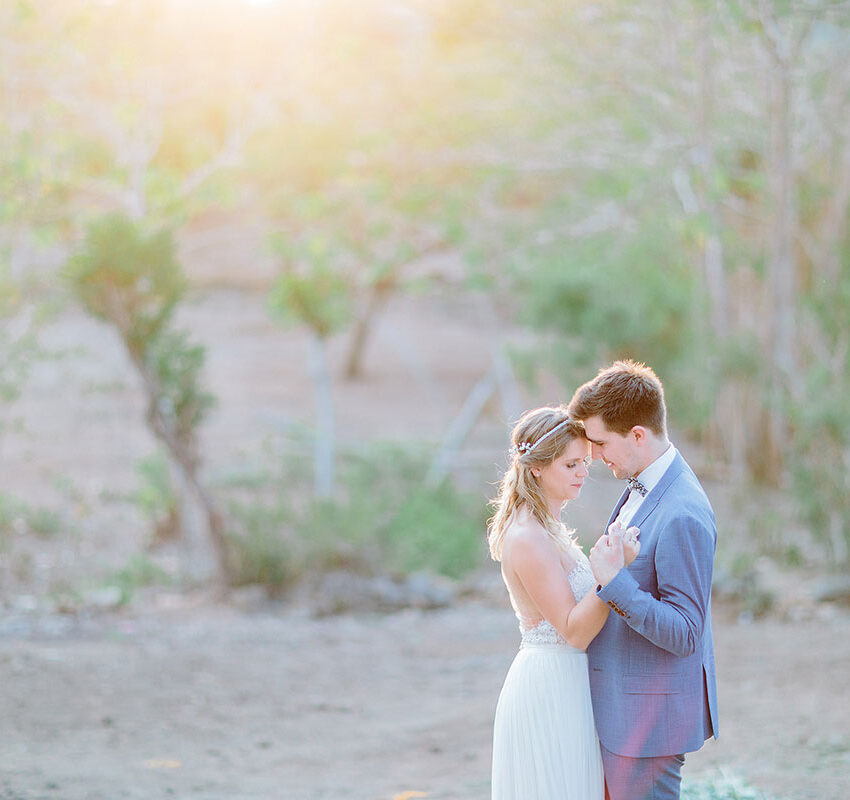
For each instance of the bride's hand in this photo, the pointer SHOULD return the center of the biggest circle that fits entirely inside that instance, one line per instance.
(631, 545)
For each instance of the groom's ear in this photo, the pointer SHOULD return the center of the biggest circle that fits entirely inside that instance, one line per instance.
(639, 434)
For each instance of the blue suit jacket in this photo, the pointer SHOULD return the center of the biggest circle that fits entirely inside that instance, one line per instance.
(652, 664)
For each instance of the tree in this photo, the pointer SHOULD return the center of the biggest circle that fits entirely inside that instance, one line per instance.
(313, 291)
(131, 279)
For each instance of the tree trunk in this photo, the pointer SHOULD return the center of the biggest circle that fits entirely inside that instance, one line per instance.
(377, 302)
(782, 265)
(713, 261)
(460, 427)
(506, 383)
(783, 51)
(186, 463)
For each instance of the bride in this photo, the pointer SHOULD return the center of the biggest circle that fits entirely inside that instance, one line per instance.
(544, 739)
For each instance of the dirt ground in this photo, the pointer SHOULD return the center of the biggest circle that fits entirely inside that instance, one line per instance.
(203, 701)
(182, 696)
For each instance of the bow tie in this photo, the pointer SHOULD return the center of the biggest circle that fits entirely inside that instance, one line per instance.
(637, 486)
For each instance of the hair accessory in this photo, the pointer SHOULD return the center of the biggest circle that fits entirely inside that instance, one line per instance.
(524, 448)
(521, 449)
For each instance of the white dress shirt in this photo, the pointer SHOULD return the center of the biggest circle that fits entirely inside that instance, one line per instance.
(649, 478)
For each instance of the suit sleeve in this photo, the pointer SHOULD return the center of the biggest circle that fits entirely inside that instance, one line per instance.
(684, 560)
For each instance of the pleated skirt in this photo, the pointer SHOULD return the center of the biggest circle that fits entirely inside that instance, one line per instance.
(545, 745)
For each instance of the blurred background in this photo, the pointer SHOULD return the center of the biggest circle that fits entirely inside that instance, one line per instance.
(276, 278)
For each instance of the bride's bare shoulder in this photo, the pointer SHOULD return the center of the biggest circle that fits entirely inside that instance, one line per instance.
(525, 534)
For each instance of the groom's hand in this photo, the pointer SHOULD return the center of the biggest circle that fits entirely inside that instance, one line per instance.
(631, 545)
(606, 556)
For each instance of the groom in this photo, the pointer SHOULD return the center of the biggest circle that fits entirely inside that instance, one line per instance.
(652, 665)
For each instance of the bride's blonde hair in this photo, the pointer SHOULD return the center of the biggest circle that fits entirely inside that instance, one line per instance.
(538, 438)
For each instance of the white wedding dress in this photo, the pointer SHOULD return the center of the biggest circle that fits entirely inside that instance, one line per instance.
(544, 738)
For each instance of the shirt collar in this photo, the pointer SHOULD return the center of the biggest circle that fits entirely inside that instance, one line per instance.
(655, 471)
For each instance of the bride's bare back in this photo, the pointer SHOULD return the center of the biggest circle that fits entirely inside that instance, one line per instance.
(526, 542)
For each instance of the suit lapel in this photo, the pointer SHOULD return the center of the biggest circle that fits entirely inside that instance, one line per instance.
(623, 497)
(652, 499)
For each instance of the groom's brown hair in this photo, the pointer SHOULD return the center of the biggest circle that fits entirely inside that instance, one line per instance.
(623, 395)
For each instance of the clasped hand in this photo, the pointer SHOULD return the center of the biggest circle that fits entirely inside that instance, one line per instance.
(614, 550)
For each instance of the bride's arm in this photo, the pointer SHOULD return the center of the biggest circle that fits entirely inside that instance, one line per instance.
(586, 620)
(537, 565)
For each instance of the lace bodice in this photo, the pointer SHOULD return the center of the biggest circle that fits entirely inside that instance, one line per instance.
(543, 632)
(581, 578)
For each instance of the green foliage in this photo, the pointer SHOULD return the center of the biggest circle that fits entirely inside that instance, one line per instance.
(128, 278)
(155, 495)
(133, 281)
(723, 786)
(44, 522)
(260, 549)
(821, 463)
(11, 509)
(16, 515)
(318, 296)
(177, 365)
(439, 529)
(377, 137)
(382, 519)
(18, 345)
(619, 295)
(820, 416)
(397, 523)
(140, 571)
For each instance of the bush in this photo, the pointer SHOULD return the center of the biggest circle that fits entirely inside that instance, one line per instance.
(259, 551)
(155, 495)
(821, 462)
(724, 786)
(382, 519)
(140, 571)
(15, 515)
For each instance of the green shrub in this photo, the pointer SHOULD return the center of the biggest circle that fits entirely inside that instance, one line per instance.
(723, 786)
(44, 522)
(10, 509)
(155, 495)
(401, 525)
(382, 519)
(821, 463)
(438, 529)
(259, 551)
(140, 571)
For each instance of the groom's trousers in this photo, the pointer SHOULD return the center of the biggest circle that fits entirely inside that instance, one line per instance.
(656, 778)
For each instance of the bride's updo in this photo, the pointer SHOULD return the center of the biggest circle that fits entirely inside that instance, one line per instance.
(538, 438)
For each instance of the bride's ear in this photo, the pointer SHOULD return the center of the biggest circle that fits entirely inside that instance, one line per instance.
(535, 471)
